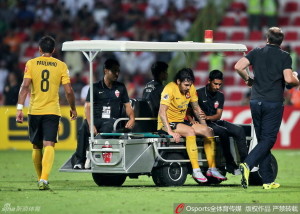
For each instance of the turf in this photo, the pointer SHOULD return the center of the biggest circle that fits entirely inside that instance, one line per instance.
(77, 192)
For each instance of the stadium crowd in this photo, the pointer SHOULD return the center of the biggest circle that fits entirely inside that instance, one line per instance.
(23, 22)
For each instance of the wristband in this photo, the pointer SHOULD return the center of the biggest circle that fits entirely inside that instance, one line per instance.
(19, 107)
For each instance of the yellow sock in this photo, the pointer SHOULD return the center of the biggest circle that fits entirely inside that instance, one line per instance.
(37, 161)
(209, 148)
(48, 159)
(192, 150)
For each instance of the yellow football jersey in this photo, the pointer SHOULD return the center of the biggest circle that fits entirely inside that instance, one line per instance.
(46, 74)
(177, 102)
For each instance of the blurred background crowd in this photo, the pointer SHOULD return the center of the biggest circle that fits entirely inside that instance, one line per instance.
(24, 22)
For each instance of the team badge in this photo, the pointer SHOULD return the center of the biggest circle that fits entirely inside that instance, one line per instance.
(117, 93)
(216, 104)
(187, 95)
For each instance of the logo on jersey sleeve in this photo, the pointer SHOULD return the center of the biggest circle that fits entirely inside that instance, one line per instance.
(117, 93)
(216, 104)
(166, 96)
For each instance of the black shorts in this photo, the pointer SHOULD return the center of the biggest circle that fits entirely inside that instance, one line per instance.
(43, 128)
(173, 125)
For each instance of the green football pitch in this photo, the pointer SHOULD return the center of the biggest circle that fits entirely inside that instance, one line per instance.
(77, 192)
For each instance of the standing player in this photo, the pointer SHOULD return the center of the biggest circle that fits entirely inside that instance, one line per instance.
(44, 75)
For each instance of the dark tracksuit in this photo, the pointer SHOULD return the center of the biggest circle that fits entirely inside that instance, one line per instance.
(266, 104)
(209, 103)
(108, 104)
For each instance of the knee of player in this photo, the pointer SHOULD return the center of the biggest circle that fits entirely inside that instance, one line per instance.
(191, 132)
(209, 132)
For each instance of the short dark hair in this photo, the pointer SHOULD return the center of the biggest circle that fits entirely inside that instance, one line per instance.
(215, 74)
(185, 74)
(110, 63)
(157, 68)
(275, 36)
(47, 44)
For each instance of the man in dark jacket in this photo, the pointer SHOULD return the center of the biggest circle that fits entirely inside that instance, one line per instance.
(153, 89)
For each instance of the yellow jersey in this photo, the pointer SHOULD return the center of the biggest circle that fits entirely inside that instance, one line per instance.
(177, 103)
(46, 74)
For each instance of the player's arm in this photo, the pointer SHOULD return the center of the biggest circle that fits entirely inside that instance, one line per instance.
(241, 67)
(162, 113)
(290, 77)
(199, 114)
(130, 113)
(24, 90)
(87, 111)
(216, 116)
(71, 100)
(189, 116)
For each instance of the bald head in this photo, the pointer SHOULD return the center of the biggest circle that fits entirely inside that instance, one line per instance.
(275, 36)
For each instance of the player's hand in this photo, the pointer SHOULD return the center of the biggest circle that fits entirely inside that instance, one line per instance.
(295, 73)
(194, 122)
(19, 116)
(73, 114)
(130, 124)
(203, 115)
(249, 82)
(175, 136)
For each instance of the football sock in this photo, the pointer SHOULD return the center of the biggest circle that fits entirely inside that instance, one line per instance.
(37, 161)
(47, 162)
(209, 148)
(192, 150)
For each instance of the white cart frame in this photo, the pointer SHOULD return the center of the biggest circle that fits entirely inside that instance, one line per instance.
(91, 48)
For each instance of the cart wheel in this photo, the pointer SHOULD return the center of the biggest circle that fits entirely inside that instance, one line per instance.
(170, 174)
(255, 178)
(109, 179)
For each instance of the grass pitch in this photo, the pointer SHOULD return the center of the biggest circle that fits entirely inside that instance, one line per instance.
(77, 192)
